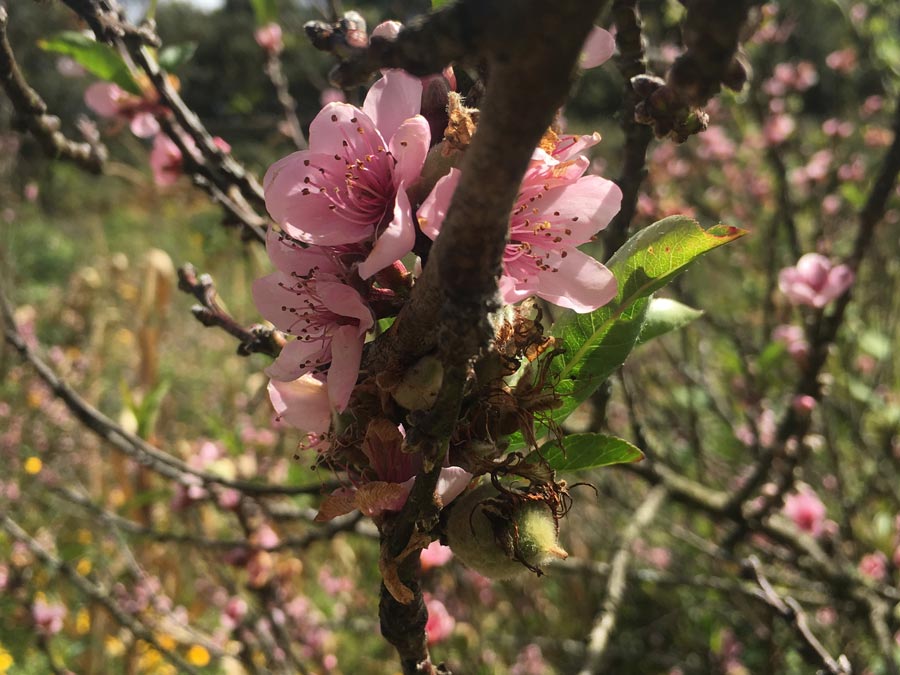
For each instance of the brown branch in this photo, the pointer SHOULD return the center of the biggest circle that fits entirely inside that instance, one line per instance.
(256, 339)
(125, 442)
(605, 624)
(631, 64)
(789, 609)
(288, 105)
(32, 111)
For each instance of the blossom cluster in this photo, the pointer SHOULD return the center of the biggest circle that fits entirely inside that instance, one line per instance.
(346, 221)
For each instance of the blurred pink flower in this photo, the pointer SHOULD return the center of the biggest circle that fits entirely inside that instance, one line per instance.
(309, 298)
(530, 661)
(715, 144)
(110, 100)
(794, 338)
(435, 555)
(166, 160)
(874, 566)
(47, 617)
(814, 281)
(389, 30)
(350, 186)
(598, 48)
(806, 510)
(269, 38)
(69, 67)
(896, 557)
(803, 404)
(440, 624)
(557, 209)
(843, 60)
(778, 128)
(836, 128)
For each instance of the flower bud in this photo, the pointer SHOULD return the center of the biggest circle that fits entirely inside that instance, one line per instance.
(500, 535)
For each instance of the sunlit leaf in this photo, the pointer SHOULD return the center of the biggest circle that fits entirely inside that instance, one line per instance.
(96, 57)
(664, 316)
(579, 452)
(173, 56)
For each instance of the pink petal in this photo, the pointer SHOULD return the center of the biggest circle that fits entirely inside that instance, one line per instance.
(302, 403)
(396, 97)
(451, 483)
(585, 207)
(395, 242)
(289, 257)
(294, 198)
(144, 125)
(346, 354)
(598, 48)
(579, 282)
(274, 301)
(340, 122)
(104, 98)
(340, 502)
(433, 210)
(409, 146)
(569, 146)
(345, 300)
(813, 269)
(298, 358)
(840, 278)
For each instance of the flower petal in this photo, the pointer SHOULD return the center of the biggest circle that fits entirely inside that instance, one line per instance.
(299, 357)
(577, 281)
(396, 97)
(304, 194)
(409, 146)
(144, 125)
(346, 354)
(598, 48)
(395, 242)
(433, 210)
(346, 130)
(345, 300)
(585, 207)
(291, 258)
(302, 403)
(451, 483)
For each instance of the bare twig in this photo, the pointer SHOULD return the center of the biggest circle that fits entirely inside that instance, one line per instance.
(32, 112)
(255, 339)
(605, 623)
(793, 613)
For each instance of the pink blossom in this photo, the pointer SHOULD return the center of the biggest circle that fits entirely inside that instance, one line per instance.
(778, 128)
(303, 403)
(836, 128)
(69, 67)
(715, 144)
(831, 204)
(557, 209)
(166, 160)
(874, 566)
(896, 557)
(110, 100)
(843, 60)
(794, 339)
(806, 510)
(269, 38)
(309, 298)
(530, 661)
(803, 404)
(435, 555)
(597, 49)
(814, 281)
(440, 624)
(47, 617)
(350, 186)
(389, 30)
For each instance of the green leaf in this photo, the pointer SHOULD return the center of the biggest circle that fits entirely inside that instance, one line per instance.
(664, 316)
(579, 452)
(437, 4)
(173, 56)
(596, 344)
(265, 11)
(148, 411)
(96, 57)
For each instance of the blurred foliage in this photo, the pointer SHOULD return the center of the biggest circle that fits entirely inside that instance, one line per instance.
(77, 255)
